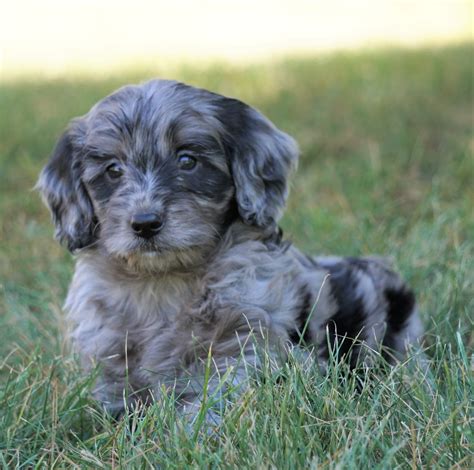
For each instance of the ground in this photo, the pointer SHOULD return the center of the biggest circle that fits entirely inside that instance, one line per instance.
(387, 168)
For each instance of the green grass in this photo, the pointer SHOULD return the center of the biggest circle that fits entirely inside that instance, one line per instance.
(387, 167)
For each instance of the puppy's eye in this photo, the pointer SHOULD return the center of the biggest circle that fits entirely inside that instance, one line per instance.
(186, 162)
(114, 171)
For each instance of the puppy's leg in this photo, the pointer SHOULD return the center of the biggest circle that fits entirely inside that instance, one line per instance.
(113, 356)
(215, 382)
(208, 357)
(375, 309)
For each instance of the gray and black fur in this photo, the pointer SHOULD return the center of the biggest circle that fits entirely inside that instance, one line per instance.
(169, 196)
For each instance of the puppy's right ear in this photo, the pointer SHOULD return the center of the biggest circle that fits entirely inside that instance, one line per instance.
(63, 191)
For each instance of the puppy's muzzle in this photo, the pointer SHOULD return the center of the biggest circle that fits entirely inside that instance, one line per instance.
(146, 225)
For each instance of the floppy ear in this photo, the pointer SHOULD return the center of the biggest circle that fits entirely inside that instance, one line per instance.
(65, 195)
(262, 158)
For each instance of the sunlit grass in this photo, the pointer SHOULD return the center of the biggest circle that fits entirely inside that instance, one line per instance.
(387, 167)
(62, 38)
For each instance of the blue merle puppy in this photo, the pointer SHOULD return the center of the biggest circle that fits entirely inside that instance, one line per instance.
(169, 196)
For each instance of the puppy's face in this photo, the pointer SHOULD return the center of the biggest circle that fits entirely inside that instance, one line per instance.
(154, 165)
(154, 174)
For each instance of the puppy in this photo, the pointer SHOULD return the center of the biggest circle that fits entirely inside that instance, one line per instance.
(169, 196)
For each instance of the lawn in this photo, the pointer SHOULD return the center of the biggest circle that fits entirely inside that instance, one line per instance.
(387, 167)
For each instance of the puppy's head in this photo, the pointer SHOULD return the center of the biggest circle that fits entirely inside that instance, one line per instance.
(154, 174)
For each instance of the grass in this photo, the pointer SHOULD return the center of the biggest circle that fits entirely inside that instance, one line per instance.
(387, 167)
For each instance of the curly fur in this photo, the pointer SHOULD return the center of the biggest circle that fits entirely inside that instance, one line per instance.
(217, 278)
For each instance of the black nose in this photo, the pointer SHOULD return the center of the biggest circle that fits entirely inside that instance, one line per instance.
(146, 225)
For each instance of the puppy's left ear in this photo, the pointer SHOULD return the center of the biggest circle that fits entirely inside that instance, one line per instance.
(262, 159)
(64, 193)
